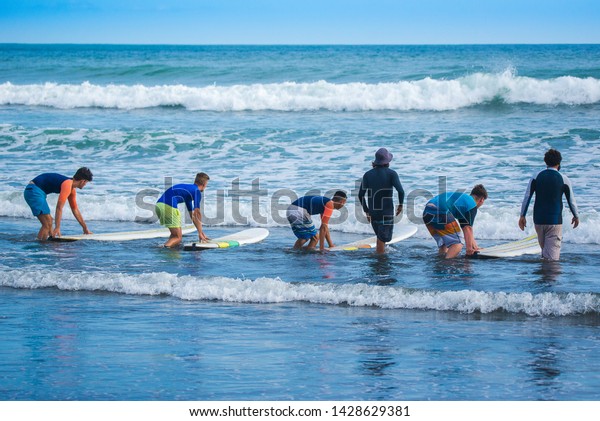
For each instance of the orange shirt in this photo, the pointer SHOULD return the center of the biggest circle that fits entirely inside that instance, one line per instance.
(327, 212)
(68, 192)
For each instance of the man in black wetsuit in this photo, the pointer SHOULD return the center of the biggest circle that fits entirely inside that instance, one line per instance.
(549, 185)
(378, 186)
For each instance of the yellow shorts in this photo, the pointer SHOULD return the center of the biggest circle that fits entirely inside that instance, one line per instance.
(168, 215)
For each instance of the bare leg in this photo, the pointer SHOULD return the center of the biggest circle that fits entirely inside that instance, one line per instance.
(300, 242)
(46, 230)
(380, 247)
(453, 251)
(313, 242)
(175, 238)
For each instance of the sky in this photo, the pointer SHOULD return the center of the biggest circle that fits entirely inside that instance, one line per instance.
(300, 21)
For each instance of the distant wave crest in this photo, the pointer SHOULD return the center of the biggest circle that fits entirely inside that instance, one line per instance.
(425, 94)
(274, 290)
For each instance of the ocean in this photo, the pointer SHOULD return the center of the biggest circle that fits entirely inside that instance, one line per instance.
(134, 321)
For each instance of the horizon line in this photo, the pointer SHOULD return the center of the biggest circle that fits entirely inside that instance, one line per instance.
(302, 44)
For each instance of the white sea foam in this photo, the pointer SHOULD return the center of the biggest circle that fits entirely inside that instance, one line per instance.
(424, 94)
(275, 290)
(493, 222)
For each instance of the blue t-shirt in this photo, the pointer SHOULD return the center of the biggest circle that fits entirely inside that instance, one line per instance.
(188, 193)
(313, 204)
(50, 182)
(461, 206)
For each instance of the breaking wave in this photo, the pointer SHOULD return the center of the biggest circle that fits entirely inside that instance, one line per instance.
(275, 290)
(426, 94)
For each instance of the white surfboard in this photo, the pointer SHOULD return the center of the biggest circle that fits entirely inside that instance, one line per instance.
(125, 235)
(248, 236)
(527, 245)
(401, 232)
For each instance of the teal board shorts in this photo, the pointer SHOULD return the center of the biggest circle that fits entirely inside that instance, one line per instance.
(301, 223)
(36, 199)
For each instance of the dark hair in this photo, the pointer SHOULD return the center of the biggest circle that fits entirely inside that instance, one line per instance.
(479, 191)
(339, 196)
(201, 178)
(83, 173)
(552, 158)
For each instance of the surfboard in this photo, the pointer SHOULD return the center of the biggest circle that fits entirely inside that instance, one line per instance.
(125, 235)
(248, 236)
(527, 245)
(401, 232)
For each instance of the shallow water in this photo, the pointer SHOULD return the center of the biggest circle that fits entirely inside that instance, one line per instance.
(106, 321)
(134, 321)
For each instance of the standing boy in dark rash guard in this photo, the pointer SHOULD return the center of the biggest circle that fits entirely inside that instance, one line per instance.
(168, 214)
(44, 184)
(549, 185)
(376, 195)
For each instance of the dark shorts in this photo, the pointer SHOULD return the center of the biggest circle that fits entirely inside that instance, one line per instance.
(384, 230)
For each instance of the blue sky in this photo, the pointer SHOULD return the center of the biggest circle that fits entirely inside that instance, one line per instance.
(300, 21)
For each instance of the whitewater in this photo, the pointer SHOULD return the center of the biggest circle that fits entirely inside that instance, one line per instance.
(274, 290)
(134, 321)
(426, 94)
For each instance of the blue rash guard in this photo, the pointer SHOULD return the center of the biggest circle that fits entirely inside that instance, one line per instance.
(188, 193)
(314, 205)
(461, 206)
(378, 185)
(50, 182)
(549, 185)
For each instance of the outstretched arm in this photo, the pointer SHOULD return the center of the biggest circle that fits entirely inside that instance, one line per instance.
(58, 218)
(324, 230)
(324, 235)
(197, 220)
(75, 210)
(472, 246)
(79, 219)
